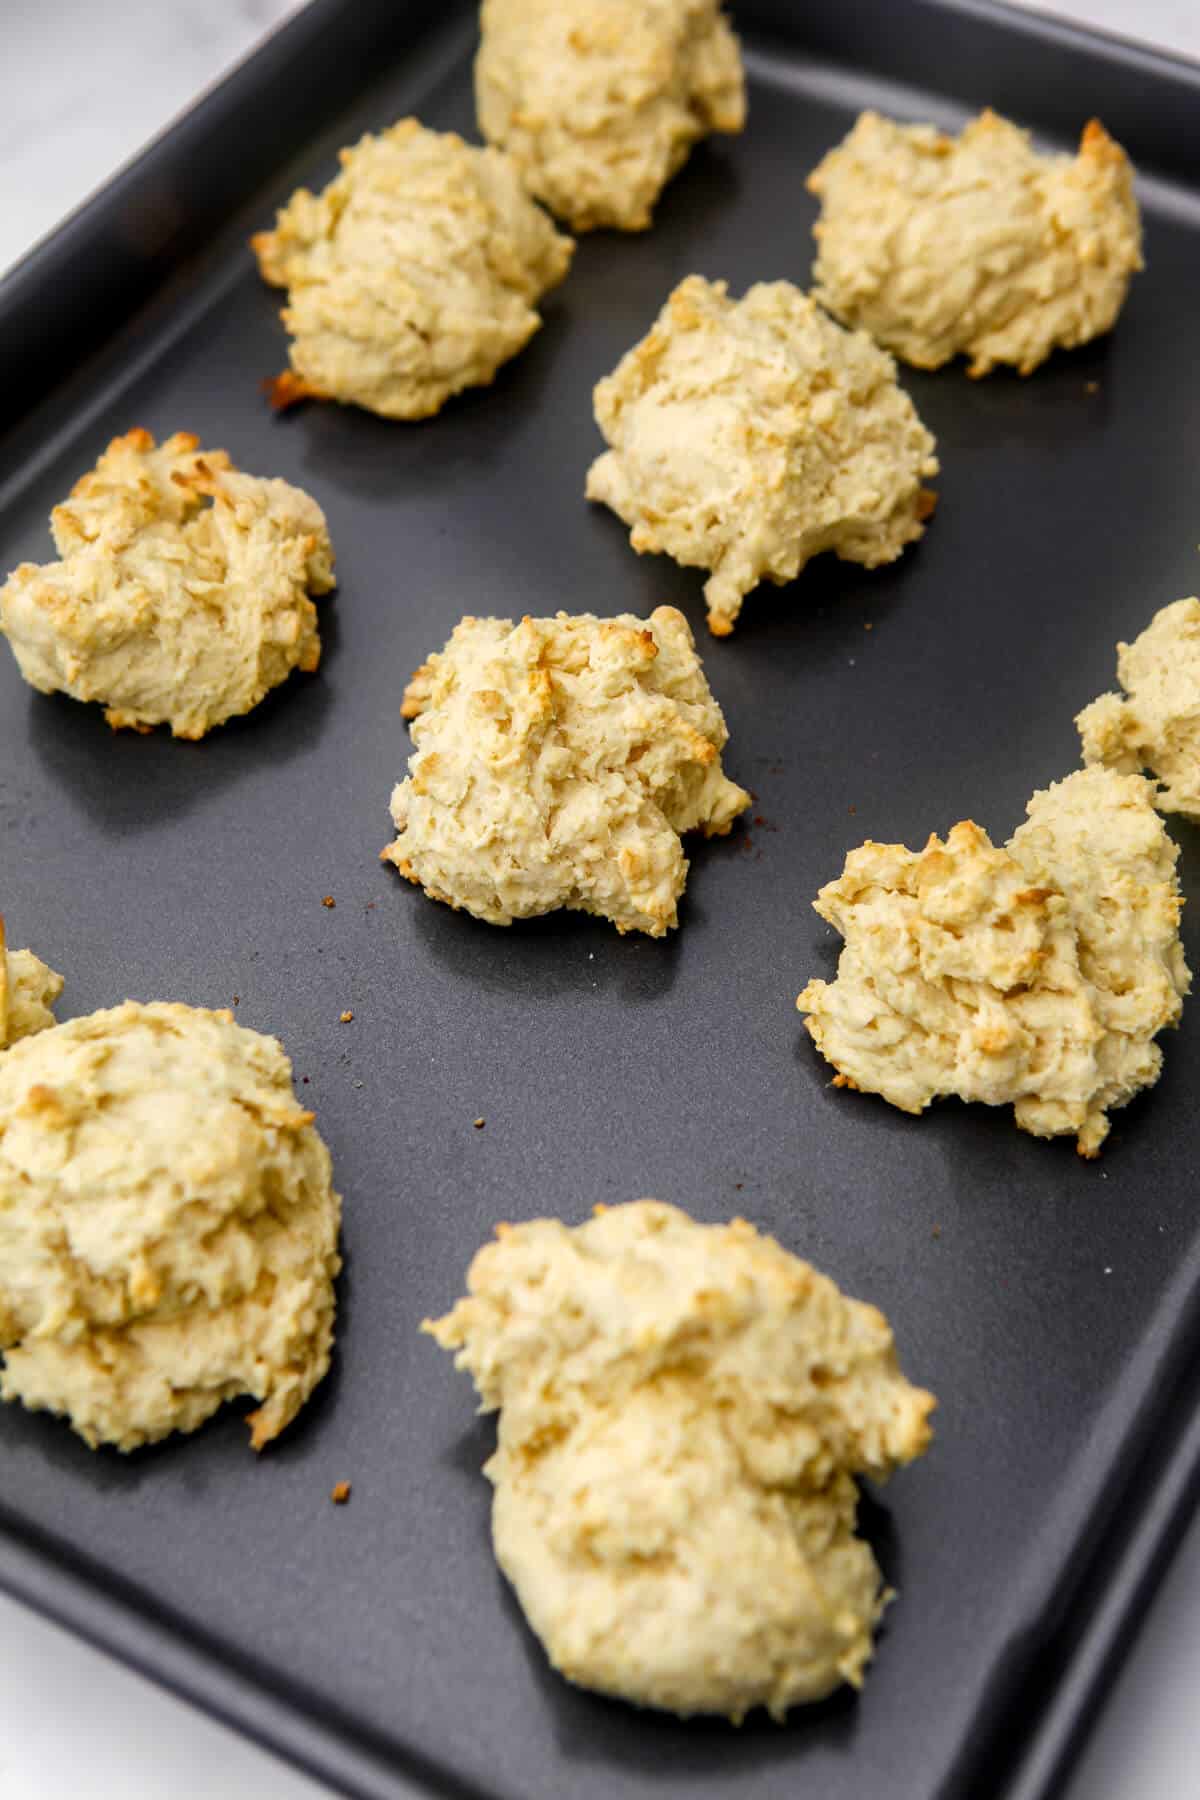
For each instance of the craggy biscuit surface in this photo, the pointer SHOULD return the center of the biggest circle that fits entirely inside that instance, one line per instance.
(182, 595)
(414, 274)
(748, 436)
(28, 989)
(683, 1410)
(976, 245)
(1036, 975)
(168, 1227)
(600, 105)
(557, 763)
(1158, 726)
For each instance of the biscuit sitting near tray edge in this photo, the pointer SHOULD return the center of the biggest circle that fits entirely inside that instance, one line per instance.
(168, 1226)
(600, 106)
(28, 989)
(683, 1410)
(557, 763)
(977, 244)
(1037, 975)
(183, 591)
(414, 274)
(1158, 726)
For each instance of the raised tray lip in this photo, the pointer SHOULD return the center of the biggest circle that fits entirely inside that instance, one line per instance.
(145, 155)
(1127, 48)
(296, 64)
(1039, 22)
(1046, 21)
(54, 263)
(1154, 1505)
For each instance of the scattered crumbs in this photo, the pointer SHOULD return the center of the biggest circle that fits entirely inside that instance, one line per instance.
(345, 1018)
(371, 904)
(237, 999)
(340, 1493)
(479, 1124)
(1091, 387)
(758, 819)
(936, 1232)
(739, 1185)
(359, 1084)
(868, 625)
(852, 809)
(304, 1079)
(329, 900)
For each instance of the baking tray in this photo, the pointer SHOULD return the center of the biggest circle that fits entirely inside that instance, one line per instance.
(1051, 1303)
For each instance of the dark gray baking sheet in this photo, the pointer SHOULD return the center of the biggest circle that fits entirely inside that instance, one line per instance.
(1050, 1303)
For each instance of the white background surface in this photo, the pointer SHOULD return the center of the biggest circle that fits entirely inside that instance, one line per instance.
(82, 84)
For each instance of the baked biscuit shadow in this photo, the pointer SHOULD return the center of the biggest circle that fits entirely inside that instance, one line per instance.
(466, 1458)
(124, 782)
(560, 953)
(366, 458)
(1058, 409)
(989, 1150)
(707, 187)
(593, 1728)
(107, 1470)
(296, 1441)
(819, 616)
(48, 1438)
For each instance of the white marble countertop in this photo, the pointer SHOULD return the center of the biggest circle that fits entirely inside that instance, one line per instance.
(68, 105)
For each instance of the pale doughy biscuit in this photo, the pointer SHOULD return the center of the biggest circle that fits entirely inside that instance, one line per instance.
(557, 763)
(683, 1410)
(414, 274)
(182, 596)
(975, 245)
(600, 105)
(1158, 726)
(748, 436)
(28, 989)
(1038, 975)
(168, 1227)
